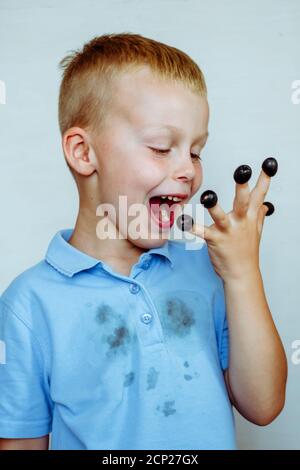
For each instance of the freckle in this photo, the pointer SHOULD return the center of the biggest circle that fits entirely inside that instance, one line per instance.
(186, 364)
(152, 378)
(129, 378)
(188, 377)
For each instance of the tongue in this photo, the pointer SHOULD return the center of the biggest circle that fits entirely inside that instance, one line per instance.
(156, 202)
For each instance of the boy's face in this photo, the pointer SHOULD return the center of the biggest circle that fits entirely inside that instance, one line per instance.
(143, 108)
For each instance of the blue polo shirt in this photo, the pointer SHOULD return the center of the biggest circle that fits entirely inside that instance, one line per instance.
(108, 361)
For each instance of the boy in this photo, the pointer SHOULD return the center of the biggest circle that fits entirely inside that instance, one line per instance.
(122, 342)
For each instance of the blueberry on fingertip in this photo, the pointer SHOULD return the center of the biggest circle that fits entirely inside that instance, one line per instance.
(209, 199)
(270, 166)
(270, 207)
(185, 222)
(242, 174)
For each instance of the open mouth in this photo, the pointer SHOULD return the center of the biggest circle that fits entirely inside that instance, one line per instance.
(163, 208)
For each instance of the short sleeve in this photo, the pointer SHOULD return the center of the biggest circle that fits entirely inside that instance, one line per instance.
(222, 331)
(25, 406)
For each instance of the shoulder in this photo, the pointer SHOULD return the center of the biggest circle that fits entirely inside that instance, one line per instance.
(187, 249)
(194, 257)
(25, 290)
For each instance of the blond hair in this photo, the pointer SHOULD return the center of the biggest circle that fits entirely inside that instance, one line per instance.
(89, 74)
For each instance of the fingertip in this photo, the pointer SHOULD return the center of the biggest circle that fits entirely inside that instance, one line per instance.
(242, 174)
(270, 166)
(185, 222)
(270, 207)
(208, 199)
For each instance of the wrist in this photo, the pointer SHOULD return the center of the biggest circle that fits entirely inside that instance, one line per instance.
(241, 276)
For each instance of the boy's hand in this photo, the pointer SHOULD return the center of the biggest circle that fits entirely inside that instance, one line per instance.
(257, 370)
(233, 240)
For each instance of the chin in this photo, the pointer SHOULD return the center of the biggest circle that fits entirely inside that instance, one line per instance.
(149, 243)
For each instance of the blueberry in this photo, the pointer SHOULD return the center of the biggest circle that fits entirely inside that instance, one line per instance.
(185, 222)
(242, 174)
(270, 208)
(209, 199)
(270, 166)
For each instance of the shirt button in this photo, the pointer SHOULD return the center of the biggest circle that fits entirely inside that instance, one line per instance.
(146, 265)
(134, 288)
(146, 318)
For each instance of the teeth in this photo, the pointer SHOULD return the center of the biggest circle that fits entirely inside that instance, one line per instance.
(172, 198)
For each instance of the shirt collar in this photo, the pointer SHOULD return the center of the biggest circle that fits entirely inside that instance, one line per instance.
(69, 260)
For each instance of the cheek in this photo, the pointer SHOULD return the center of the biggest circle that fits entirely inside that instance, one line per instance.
(198, 179)
(148, 174)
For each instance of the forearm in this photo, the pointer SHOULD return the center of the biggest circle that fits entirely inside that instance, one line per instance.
(38, 443)
(257, 363)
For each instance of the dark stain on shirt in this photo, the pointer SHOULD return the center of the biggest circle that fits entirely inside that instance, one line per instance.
(188, 377)
(104, 314)
(118, 340)
(129, 378)
(152, 378)
(178, 318)
(115, 331)
(168, 408)
(186, 364)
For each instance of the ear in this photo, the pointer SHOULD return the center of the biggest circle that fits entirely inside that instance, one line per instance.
(78, 151)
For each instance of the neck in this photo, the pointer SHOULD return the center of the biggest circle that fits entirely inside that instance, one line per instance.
(88, 237)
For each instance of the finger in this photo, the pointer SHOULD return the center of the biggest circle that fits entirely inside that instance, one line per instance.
(202, 231)
(261, 218)
(270, 166)
(186, 223)
(210, 201)
(265, 210)
(270, 207)
(241, 176)
(258, 193)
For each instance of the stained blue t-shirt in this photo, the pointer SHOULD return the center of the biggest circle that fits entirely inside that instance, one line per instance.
(108, 361)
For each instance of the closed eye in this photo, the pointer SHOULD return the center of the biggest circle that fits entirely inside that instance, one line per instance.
(165, 151)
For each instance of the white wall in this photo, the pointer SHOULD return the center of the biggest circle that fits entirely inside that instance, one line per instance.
(249, 52)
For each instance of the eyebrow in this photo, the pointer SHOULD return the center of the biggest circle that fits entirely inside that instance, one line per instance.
(177, 130)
